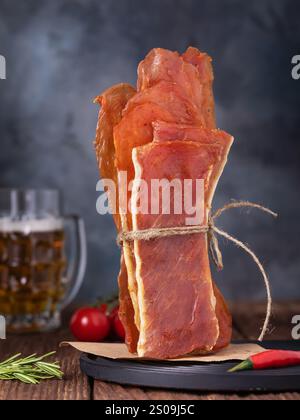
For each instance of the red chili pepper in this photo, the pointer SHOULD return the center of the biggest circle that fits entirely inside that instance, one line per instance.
(269, 359)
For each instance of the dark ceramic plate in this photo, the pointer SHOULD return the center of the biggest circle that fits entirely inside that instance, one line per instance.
(195, 376)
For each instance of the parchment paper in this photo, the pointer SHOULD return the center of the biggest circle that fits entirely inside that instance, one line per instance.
(119, 351)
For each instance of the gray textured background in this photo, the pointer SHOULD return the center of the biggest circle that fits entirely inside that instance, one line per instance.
(60, 54)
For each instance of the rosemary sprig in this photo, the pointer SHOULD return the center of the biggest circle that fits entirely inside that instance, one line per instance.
(29, 370)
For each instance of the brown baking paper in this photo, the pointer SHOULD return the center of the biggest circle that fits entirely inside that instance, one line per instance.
(119, 351)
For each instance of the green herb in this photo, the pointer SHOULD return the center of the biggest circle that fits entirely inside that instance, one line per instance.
(29, 370)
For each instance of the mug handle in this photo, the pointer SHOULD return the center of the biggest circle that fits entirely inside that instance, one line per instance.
(77, 259)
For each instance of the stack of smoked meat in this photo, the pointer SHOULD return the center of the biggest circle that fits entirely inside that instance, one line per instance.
(166, 129)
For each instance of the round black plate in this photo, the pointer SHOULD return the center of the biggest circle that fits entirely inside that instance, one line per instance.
(194, 376)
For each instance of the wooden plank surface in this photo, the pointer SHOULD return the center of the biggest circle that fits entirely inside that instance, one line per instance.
(248, 318)
(74, 386)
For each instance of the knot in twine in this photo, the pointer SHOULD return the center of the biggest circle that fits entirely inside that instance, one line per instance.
(212, 231)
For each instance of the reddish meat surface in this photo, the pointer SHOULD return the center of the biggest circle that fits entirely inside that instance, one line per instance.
(175, 290)
(203, 63)
(174, 103)
(112, 102)
(192, 72)
(172, 132)
(225, 320)
(126, 311)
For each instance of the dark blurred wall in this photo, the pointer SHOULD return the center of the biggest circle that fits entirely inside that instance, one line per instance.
(60, 54)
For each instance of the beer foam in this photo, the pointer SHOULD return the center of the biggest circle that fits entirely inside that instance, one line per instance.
(30, 226)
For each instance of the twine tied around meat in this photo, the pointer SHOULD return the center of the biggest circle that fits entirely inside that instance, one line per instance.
(212, 231)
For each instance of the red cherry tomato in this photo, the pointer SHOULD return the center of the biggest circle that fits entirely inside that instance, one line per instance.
(112, 315)
(118, 327)
(103, 308)
(90, 324)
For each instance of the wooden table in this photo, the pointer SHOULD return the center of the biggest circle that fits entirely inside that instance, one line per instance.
(76, 386)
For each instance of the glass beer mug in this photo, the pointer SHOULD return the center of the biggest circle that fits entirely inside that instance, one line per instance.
(42, 259)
